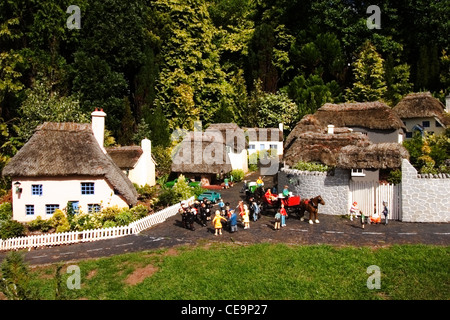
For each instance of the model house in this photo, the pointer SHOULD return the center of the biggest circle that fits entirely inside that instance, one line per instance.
(65, 164)
(234, 138)
(136, 162)
(265, 139)
(343, 148)
(374, 119)
(421, 112)
(201, 156)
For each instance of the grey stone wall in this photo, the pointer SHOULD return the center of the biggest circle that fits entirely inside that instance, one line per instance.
(425, 198)
(334, 188)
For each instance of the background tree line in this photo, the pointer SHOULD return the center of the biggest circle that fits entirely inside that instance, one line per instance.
(157, 65)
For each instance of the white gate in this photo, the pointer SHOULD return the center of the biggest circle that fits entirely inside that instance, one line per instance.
(370, 197)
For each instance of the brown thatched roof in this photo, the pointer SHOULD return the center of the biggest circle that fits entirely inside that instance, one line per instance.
(375, 156)
(201, 152)
(371, 115)
(233, 136)
(320, 147)
(264, 134)
(125, 157)
(421, 105)
(310, 142)
(64, 150)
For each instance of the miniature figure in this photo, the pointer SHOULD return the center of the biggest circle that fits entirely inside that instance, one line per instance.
(354, 210)
(277, 220)
(283, 215)
(217, 223)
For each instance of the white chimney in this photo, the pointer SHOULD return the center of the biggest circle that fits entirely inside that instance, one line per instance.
(280, 126)
(330, 129)
(447, 103)
(146, 145)
(98, 127)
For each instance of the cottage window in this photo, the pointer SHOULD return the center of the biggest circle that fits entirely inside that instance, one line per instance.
(358, 173)
(274, 146)
(426, 124)
(438, 124)
(87, 188)
(93, 207)
(50, 208)
(29, 209)
(251, 147)
(36, 189)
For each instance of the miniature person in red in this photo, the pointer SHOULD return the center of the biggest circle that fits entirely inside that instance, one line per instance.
(283, 215)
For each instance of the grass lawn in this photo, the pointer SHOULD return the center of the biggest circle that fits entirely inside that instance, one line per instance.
(260, 271)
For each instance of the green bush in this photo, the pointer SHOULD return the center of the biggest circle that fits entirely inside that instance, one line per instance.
(238, 175)
(139, 212)
(6, 211)
(59, 221)
(39, 224)
(311, 166)
(395, 176)
(124, 218)
(11, 229)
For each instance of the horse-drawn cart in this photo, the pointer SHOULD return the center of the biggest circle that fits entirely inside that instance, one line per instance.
(274, 201)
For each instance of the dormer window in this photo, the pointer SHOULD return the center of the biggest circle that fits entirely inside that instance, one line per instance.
(358, 173)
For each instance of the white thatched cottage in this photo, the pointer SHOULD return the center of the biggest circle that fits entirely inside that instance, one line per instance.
(421, 112)
(65, 163)
(136, 162)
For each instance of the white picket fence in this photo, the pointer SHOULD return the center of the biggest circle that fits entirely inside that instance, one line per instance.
(54, 239)
(370, 197)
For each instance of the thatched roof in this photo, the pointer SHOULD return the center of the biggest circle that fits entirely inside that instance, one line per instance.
(232, 135)
(371, 115)
(201, 152)
(67, 150)
(320, 147)
(264, 134)
(310, 142)
(375, 156)
(125, 157)
(421, 105)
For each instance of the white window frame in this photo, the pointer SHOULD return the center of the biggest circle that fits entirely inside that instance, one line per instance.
(358, 173)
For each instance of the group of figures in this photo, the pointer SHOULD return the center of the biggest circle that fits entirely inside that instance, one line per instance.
(373, 218)
(201, 212)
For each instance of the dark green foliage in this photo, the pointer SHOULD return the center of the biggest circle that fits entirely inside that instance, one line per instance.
(11, 229)
(166, 64)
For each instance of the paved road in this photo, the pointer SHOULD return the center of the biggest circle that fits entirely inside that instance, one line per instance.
(333, 230)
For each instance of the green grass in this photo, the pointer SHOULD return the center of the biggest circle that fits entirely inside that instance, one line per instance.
(264, 271)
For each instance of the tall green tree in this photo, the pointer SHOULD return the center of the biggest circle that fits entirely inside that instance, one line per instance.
(368, 72)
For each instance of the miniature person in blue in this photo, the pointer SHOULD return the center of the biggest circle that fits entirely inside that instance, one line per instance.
(233, 221)
(385, 212)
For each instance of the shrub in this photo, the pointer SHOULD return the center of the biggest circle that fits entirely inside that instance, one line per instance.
(139, 212)
(39, 224)
(124, 218)
(15, 282)
(11, 229)
(59, 221)
(237, 174)
(182, 189)
(311, 166)
(395, 176)
(6, 211)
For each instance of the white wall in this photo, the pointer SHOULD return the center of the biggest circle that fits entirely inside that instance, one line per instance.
(60, 191)
(239, 160)
(266, 144)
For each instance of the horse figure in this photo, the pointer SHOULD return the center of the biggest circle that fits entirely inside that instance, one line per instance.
(312, 206)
